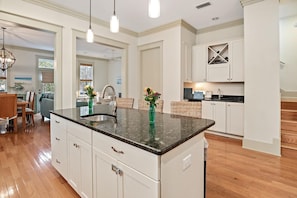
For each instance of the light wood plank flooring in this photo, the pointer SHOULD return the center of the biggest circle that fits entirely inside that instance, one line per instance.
(26, 171)
(236, 172)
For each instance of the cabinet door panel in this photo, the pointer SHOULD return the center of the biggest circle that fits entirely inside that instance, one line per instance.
(85, 152)
(220, 116)
(215, 111)
(235, 118)
(80, 166)
(199, 61)
(237, 62)
(74, 163)
(218, 73)
(104, 179)
(133, 184)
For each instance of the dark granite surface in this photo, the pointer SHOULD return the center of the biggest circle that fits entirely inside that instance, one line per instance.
(132, 126)
(239, 99)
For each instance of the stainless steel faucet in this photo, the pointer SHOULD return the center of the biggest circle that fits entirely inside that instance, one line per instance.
(111, 102)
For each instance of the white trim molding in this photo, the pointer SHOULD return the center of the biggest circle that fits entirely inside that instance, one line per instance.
(249, 2)
(273, 148)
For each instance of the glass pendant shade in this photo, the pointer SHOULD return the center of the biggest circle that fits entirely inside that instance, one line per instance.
(90, 36)
(114, 24)
(154, 8)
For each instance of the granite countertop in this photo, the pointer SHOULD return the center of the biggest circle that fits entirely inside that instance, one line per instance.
(239, 99)
(132, 126)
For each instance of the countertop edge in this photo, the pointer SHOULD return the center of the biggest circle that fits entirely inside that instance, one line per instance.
(143, 147)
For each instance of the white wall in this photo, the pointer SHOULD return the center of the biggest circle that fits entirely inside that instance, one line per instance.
(225, 33)
(20, 9)
(171, 64)
(288, 49)
(262, 90)
(114, 74)
(25, 65)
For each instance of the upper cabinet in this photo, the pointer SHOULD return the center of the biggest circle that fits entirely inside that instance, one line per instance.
(199, 63)
(186, 56)
(218, 62)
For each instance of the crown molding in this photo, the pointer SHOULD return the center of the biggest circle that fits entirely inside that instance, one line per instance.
(167, 26)
(188, 27)
(221, 26)
(79, 15)
(249, 2)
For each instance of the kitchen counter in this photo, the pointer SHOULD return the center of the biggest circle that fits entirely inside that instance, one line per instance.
(227, 98)
(132, 127)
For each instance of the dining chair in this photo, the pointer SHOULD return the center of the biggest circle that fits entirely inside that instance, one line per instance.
(30, 109)
(143, 105)
(8, 109)
(125, 102)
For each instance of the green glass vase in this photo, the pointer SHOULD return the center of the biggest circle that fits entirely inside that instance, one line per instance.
(152, 114)
(90, 103)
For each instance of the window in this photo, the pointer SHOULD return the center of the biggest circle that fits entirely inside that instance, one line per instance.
(46, 73)
(86, 77)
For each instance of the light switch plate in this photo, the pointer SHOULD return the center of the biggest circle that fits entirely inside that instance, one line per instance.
(187, 161)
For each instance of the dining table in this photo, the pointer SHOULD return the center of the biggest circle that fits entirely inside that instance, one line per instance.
(23, 104)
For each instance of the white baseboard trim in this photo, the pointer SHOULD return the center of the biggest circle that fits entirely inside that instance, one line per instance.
(274, 148)
(224, 134)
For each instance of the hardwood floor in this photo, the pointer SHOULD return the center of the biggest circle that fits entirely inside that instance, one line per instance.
(25, 168)
(26, 171)
(236, 172)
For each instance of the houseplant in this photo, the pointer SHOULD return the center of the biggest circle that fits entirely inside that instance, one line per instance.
(91, 94)
(151, 97)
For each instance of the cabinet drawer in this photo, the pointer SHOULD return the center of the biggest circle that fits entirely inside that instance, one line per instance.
(80, 131)
(138, 159)
(58, 122)
(60, 163)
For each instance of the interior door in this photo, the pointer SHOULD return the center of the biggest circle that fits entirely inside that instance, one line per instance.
(151, 67)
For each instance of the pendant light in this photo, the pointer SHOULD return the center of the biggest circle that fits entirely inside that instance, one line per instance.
(7, 59)
(114, 21)
(154, 8)
(90, 34)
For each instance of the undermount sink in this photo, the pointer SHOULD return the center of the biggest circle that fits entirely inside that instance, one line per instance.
(98, 118)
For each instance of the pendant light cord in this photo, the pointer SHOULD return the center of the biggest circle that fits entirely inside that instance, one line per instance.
(114, 13)
(90, 12)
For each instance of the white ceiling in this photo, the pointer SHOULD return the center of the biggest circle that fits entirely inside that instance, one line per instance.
(133, 16)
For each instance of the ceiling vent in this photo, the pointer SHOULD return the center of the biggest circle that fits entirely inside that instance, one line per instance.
(203, 5)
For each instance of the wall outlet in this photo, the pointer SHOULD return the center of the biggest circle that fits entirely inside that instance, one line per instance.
(187, 162)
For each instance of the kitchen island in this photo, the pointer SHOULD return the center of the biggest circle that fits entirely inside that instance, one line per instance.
(108, 157)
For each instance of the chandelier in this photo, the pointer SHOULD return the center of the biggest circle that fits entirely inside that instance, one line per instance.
(7, 59)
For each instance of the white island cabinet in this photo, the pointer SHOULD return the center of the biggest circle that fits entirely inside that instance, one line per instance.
(80, 159)
(124, 171)
(59, 144)
(107, 164)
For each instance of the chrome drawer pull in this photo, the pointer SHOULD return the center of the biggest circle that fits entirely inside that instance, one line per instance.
(57, 122)
(58, 161)
(115, 150)
(58, 139)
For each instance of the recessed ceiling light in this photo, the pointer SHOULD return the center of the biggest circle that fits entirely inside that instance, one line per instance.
(215, 18)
